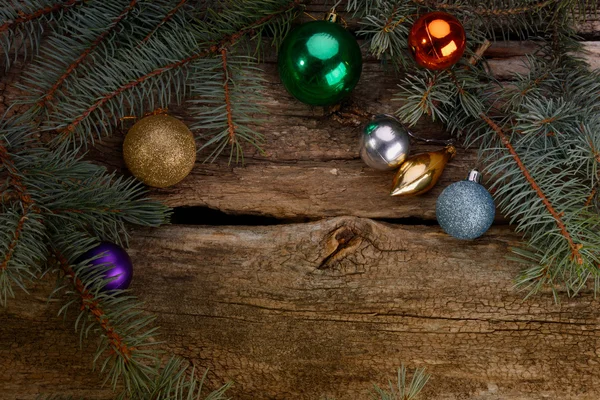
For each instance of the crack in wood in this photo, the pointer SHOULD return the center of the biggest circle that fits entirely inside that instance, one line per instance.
(492, 321)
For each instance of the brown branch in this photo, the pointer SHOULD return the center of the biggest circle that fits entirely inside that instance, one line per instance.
(13, 244)
(547, 121)
(39, 13)
(514, 11)
(544, 273)
(533, 84)
(215, 49)
(6, 160)
(167, 17)
(76, 211)
(591, 196)
(423, 101)
(454, 79)
(8, 197)
(478, 55)
(230, 124)
(596, 155)
(15, 179)
(486, 11)
(89, 303)
(26, 200)
(575, 254)
(390, 25)
(50, 95)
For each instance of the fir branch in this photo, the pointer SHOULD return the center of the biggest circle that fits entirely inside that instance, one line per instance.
(225, 99)
(536, 188)
(489, 10)
(546, 170)
(230, 125)
(28, 206)
(49, 95)
(590, 198)
(45, 191)
(163, 21)
(403, 390)
(92, 306)
(387, 28)
(127, 335)
(21, 242)
(84, 37)
(13, 243)
(424, 94)
(128, 341)
(22, 23)
(522, 18)
(67, 130)
(27, 203)
(500, 8)
(23, 17)
(21, 247)
(70, 128)
(176, 381)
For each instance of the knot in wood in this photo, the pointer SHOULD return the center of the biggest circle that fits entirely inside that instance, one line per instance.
(341, 242)
(344, 235)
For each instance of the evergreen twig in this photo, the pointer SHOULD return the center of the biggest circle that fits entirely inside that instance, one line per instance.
(556, 215)
(163, 21)
(51, 92)
(79, 121)
(402, 390)
(22, 23)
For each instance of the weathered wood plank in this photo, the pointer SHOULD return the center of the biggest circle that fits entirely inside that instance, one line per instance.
(300, 311)
(310, 166)
(326, 308)
(40, 352)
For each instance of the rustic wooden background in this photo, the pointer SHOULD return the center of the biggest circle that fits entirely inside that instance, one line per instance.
(298, 277)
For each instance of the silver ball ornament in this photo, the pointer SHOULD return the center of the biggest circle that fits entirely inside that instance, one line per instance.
(385, 143)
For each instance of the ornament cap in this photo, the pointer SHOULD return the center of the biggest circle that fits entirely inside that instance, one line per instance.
(474, 176)
(451, 150)
(331, 16)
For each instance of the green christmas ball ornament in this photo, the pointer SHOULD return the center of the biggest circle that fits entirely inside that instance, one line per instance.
(320, 63)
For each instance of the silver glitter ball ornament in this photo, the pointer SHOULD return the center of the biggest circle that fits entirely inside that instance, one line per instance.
(466, 209)
(385, 143)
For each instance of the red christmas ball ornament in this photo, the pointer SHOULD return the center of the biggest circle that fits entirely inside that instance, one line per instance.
(437, 40)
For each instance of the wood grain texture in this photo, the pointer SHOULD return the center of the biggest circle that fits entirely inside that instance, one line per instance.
(302, 311)
(326, 308)
(40, 352)
(329, 307)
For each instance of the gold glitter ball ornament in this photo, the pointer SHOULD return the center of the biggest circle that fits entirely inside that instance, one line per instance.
(159, 150)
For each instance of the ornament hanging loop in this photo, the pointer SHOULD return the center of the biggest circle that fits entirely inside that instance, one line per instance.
(331, 16)
(447, 142)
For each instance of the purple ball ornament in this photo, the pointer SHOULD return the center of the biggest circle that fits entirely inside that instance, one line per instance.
(114, 257)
